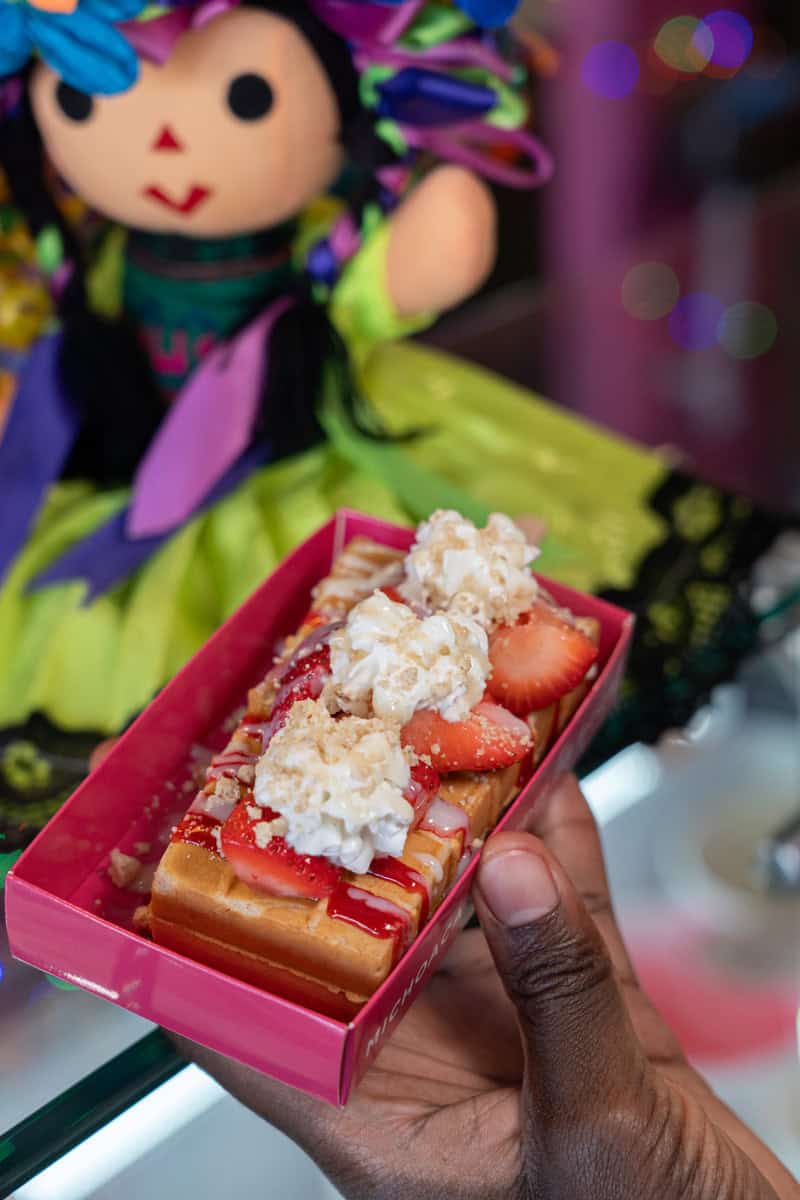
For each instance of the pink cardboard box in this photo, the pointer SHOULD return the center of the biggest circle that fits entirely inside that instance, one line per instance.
(66, 917)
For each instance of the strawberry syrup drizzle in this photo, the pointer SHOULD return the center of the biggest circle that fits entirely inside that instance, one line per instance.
(253, 726)
(228, 763)
(197, 829)
(372, 914)
(446, 821)
(394, 870)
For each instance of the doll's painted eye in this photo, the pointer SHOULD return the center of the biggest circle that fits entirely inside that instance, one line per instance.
(74, 104)
(249, 97)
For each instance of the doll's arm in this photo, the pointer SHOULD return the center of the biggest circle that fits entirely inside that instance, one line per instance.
(442, 242)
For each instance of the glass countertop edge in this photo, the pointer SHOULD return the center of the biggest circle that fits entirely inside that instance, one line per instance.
(67, 1120)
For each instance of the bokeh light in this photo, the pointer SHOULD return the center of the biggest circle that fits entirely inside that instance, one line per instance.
(731, 38)
(694, 321)
(610, 69)
(748, 329)
(685, 44)
(650, 290)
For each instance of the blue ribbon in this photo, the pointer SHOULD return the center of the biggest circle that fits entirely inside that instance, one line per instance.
(488, 13)
(416, 96)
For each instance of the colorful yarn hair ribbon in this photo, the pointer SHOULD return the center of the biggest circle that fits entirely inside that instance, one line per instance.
(467, 144)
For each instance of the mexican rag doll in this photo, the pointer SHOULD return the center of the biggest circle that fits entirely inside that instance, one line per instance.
(234, 204)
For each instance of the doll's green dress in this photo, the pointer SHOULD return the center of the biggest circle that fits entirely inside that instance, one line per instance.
(485, 445)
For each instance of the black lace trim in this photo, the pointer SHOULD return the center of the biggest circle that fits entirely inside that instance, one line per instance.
(693, 603)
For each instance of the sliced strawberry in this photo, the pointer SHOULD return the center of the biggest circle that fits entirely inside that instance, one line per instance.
(305, 682)
(422, 790)
(489, 737)
(317, 662)
(275, 867)
(538, 660)
(393, 594)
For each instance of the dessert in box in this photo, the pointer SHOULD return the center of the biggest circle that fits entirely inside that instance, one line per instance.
(374, 757)
(285, 902)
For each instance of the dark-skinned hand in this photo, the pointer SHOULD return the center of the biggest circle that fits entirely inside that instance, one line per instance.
(532, 1066)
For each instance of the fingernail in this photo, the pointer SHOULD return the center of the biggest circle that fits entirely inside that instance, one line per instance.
(518, 887)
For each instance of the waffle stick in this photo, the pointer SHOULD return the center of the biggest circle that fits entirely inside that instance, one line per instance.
(293, 947)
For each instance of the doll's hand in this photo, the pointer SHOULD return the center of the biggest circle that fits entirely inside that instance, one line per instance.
(550, 1077)
(442, 243)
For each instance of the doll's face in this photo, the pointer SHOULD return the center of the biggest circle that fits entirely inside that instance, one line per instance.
(237, 131)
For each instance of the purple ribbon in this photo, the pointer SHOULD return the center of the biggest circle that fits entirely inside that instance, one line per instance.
(109, 555)
(41, 429)
(463, 144)
(199, 454)
(366, 22)
(209, 425)
(462, 52)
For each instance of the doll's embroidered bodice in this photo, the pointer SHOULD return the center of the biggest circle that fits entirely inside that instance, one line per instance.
(186, 294)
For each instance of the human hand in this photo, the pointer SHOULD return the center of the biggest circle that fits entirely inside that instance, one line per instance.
(532, 1066)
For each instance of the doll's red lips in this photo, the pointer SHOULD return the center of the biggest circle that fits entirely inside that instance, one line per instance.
(196, 195)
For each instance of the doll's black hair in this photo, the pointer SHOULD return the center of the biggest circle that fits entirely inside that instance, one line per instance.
(104, 369)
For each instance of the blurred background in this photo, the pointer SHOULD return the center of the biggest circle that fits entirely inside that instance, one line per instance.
(658, 293)
(652, 288)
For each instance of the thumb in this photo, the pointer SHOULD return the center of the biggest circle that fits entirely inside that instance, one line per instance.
(580, 1047)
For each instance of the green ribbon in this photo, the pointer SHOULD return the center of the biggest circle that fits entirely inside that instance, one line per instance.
(419, 490)
(434, 24)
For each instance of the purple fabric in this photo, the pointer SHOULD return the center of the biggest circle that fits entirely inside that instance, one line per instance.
(60, 278)
(394, 178)
(11, 93)
(345, 238)
(212, 8)
(359, 22)
(402, 16)
(41, 429)
(155, 40)
(209, 425)
(108, 555)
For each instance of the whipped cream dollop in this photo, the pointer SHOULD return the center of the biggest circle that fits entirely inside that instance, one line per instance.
(389, 661)
(482, 573)
(338, 785)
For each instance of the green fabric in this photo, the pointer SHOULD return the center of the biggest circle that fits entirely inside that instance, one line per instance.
(434, 24)
(490, 444)
(516, 453)
(187, 294)
(104, 278)
(6, 863)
